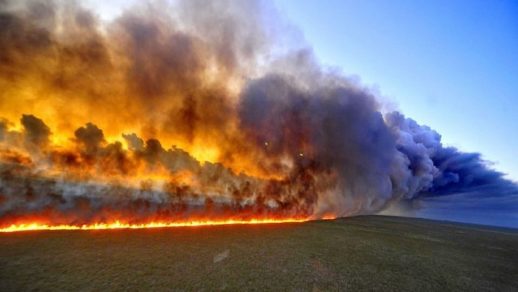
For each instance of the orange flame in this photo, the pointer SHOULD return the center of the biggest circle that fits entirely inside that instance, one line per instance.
(34, 226)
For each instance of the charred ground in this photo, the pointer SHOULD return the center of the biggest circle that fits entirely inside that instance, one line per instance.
(361, 253)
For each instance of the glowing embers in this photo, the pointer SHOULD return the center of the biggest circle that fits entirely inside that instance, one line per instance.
(32, 226)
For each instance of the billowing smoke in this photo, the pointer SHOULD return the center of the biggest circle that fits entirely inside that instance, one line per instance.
(438, 170)
(188, 110)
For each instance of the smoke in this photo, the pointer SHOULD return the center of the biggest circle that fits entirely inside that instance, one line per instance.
(36, 132)
(439, 170)
(333, 132)
(90, 137)
(448, 184)
(187, 110)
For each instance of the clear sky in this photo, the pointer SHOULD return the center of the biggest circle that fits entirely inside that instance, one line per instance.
(452, 65)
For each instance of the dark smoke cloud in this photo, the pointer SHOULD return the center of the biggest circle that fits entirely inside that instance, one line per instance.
(450, 184)
(337, 131)
(36, 132)
(438, 170)
(90, 136)
(293, 139)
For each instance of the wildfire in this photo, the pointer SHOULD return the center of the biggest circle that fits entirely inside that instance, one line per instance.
(121, 225)
(149, 122)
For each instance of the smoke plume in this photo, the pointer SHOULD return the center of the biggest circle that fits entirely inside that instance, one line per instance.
(189, 110)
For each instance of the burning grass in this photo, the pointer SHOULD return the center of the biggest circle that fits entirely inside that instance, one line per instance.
(122, 225)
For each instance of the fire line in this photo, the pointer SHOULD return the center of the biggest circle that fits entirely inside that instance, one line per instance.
(122, 225)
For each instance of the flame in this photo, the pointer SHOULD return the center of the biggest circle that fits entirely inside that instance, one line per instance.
(35, 226)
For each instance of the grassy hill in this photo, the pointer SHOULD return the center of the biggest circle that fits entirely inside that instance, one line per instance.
(361, 253)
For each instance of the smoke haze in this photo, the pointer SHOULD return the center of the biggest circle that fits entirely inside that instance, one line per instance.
(192, 110)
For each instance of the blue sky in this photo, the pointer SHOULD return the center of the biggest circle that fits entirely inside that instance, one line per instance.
(452, 65)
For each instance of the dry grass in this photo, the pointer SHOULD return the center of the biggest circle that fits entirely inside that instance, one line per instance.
(362, 253)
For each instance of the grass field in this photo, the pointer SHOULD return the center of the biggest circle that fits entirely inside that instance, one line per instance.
(362, 253)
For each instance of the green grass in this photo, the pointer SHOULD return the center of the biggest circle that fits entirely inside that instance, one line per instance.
(362, 253)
